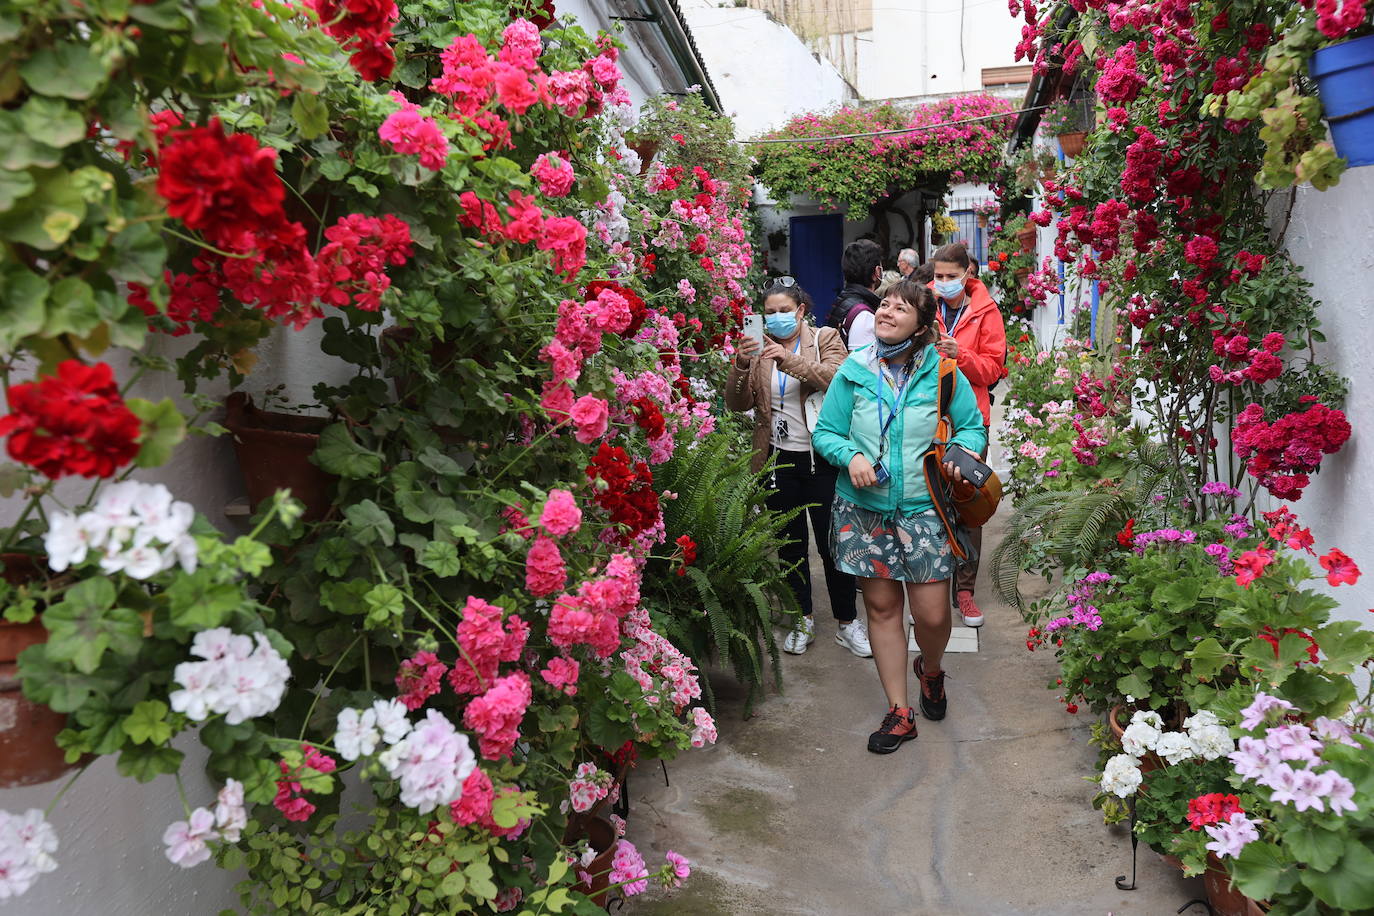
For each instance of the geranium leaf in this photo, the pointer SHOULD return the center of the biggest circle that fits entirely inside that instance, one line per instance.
(339, 454)
(148, 724)
(198, 602)
(147, 762)
(442, 557)
(66, 69)
(163, 429)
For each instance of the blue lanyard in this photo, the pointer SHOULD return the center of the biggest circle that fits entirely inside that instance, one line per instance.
(883, 372)
(782, 376)
(944, 314)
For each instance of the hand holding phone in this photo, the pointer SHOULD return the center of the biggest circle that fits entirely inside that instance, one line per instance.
(753, 328)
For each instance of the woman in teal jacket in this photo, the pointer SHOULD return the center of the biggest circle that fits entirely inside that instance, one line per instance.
(878, 421)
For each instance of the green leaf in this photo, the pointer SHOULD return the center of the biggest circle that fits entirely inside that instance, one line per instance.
(1257, 869)
(17, 151)
(604, 731)
(384, 602)
(339, 454)
(1177, 596)
(84, 625)
(163, 429)
(442, 557)
(148, 723)
(197, 602)
(62, 688)
(14, 185)
(45, 219)
(311, 115)
(66, 69)
(52, 122)
(139, 255)
(22, 297)
(1313, 845)
(1207, 659)
(1345, 645)
(1348, 886)
(370, 523)
(147, 763)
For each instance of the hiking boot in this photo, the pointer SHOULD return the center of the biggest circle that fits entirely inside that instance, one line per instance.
(854, 637)
(973, 617)
(799, 639)
(933, 699)
(898, 725)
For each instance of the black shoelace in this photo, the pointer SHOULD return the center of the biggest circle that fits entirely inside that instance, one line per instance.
(893, 718)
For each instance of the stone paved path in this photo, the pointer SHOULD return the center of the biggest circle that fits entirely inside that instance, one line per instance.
(986, 812)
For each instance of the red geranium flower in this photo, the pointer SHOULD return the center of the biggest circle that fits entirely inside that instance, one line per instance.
(1340, 569)
(72, 423)
(225, 186)
(1212, 808)
(688, 553)
(1125, 535)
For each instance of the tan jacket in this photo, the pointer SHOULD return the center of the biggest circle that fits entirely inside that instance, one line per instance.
(751, 388)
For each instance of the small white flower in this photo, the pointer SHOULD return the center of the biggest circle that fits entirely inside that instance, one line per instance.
(1201, 719)
(1211, 742)
(1175, 747)
(1121, 776)
(67, 541)
(186, 840)
(357, 734)
(1139, 738)
(391, 719)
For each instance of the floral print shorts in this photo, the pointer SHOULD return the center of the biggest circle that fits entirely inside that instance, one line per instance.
(913, 548)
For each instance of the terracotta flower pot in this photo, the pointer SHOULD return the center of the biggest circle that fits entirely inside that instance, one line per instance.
(1072, 143)
(600, 835)
(982, 221)
(1026, 236)
(1224, 898)
(646, 150)
(1022, 274)
(28, 731)
(274, 452)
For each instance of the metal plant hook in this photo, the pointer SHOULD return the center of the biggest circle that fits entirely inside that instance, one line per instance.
(1121, 884)
(1191, 903)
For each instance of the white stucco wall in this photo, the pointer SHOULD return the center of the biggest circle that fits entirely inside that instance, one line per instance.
(1329, 236)
(920, 47)
(762, 70)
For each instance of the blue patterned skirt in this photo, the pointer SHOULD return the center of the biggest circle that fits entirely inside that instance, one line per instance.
(913, 548)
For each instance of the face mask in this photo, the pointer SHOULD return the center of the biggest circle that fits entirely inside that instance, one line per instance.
(949, 289)
(781, 324)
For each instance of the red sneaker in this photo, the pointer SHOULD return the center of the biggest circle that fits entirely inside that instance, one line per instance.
(973, 617)
(898, 725)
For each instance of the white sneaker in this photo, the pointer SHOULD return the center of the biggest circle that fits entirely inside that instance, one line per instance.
(803, 636)
(854, 637)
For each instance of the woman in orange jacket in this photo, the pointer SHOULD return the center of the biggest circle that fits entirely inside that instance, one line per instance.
(972, 333)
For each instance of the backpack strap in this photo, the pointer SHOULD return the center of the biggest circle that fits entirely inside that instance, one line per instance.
(948, 370)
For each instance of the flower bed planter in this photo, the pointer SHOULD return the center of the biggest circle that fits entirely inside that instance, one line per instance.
(1345, 81)
(274, 452)
(28, 731)
(1072, 143)
(1222, 896)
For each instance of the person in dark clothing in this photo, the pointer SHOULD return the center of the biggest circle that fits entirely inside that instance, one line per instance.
(853, 311)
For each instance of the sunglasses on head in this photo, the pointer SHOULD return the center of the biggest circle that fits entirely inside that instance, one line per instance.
(784, 282)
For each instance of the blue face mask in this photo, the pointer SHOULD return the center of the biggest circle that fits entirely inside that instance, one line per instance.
(949, 289)
(781, 324)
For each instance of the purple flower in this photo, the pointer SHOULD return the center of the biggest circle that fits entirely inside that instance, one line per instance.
(1340, 793)
(1293, 742)
(1238, 527)
(1230, 837)
(1255, 713)
(1217, 488)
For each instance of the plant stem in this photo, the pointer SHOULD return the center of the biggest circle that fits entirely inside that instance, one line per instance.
(47, 812)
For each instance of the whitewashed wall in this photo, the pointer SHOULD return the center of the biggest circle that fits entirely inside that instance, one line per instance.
(1329, 236)
(920, 47)
(762, 70)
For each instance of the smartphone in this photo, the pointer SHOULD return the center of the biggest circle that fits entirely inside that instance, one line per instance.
(753, 327)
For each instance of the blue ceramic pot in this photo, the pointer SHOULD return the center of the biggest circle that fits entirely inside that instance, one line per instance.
(1345, 82)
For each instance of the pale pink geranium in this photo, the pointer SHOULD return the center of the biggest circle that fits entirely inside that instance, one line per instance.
(682, 868)
(413, 134)
(561, 515)
(496, 714)
(703, 728)
(590, 415)
(545, 572)
(1230, 837)
(187, 841)
(554, 174)
(627, 865)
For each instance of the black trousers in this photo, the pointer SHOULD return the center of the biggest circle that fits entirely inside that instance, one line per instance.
(796, 485)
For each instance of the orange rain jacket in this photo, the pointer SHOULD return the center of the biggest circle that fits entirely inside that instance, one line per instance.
(982, 341)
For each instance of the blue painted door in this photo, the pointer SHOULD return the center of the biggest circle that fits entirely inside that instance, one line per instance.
(816, 243)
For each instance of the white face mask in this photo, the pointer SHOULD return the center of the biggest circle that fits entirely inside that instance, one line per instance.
(949, 289)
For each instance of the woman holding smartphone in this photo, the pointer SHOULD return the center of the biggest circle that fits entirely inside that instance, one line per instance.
(878, 422)
(776, 379)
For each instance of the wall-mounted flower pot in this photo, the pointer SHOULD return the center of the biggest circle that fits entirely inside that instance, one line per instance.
(28, 731)
(1072, 143)
(1026, 236)
(1345, 82)
(274, 452)
(982, 220)
(646, 150)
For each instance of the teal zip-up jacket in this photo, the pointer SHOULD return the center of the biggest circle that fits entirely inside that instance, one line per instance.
(848, 425)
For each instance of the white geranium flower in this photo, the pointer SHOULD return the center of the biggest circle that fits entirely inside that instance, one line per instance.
(1140, 738)
(1175, 747)
(357, 734)
(1121, 775)
(1211, 742)
(391, 719)
(186, 840)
